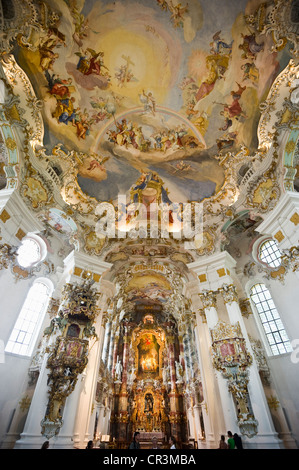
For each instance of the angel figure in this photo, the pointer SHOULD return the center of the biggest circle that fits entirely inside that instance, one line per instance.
(177, 12)
(148, 101)
(163, 4)
(83, 123)
(181, 165)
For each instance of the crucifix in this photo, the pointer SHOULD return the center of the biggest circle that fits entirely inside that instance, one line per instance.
(128, 63)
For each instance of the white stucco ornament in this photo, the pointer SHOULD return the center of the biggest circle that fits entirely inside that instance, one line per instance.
(295, 93)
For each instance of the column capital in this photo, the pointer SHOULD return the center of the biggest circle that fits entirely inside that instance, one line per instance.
(208, 299)
(282, 222)
(229, 293)
(214, 271)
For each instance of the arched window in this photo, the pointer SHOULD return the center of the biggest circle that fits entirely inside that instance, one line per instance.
(27, 326)
(270, 254)
(32, 250)
(275, 333)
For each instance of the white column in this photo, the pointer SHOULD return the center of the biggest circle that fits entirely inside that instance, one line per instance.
(211, 405)
(86, 399)
(106, 342)
(31, 437)
(100, 409)
(65, 438)
(100, 349)
(213, 273)
(208, 425)
(228, 406)
(193, 413)
(106, 428)
(266, 436)
(83, 430)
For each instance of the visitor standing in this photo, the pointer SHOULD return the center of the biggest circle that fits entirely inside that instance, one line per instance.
(222, 443)
(230, 441)
(172, 442)
(238, 441)
(135, 443)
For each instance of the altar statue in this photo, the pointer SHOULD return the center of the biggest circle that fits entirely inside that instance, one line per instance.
(148, 402)
(118, 370)
(179, 371)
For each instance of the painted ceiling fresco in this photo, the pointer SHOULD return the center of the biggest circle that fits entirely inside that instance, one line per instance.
(150, 90)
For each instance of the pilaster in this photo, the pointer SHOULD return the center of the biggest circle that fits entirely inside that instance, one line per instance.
(239, 382)
(282, 223)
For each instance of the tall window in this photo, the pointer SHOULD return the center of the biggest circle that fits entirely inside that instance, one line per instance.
(270, 254)
(274, 330)
(26, 329)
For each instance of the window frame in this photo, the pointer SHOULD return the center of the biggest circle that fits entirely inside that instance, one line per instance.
(42, 249)
(256, 251)
(38, 323)
(260, 324)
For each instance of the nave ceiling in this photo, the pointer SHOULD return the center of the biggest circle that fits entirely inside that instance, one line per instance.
(158, 101)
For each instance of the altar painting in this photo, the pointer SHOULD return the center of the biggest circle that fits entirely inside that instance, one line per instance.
(148, 355)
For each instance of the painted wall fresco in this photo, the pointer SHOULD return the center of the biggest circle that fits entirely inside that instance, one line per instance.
(150, 87)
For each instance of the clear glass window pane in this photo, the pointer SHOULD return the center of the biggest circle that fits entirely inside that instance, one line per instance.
(270, 319)
(267, 328)
(270, 339)
(28, 320)
(270, 254)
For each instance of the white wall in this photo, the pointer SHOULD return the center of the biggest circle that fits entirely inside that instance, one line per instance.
(284, 370)
(12, 295)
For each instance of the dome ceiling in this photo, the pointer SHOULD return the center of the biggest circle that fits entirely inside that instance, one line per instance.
(147, 99)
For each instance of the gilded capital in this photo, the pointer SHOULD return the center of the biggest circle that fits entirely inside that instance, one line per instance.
(208, 299)
(229, 293)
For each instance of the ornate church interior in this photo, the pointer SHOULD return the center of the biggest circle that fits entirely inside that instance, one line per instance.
(149, 221)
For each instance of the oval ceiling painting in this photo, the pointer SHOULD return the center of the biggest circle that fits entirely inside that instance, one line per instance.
(150, 90)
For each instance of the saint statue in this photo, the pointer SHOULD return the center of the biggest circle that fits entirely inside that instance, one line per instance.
(118, 370)
(179, 371)
(148, 402)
